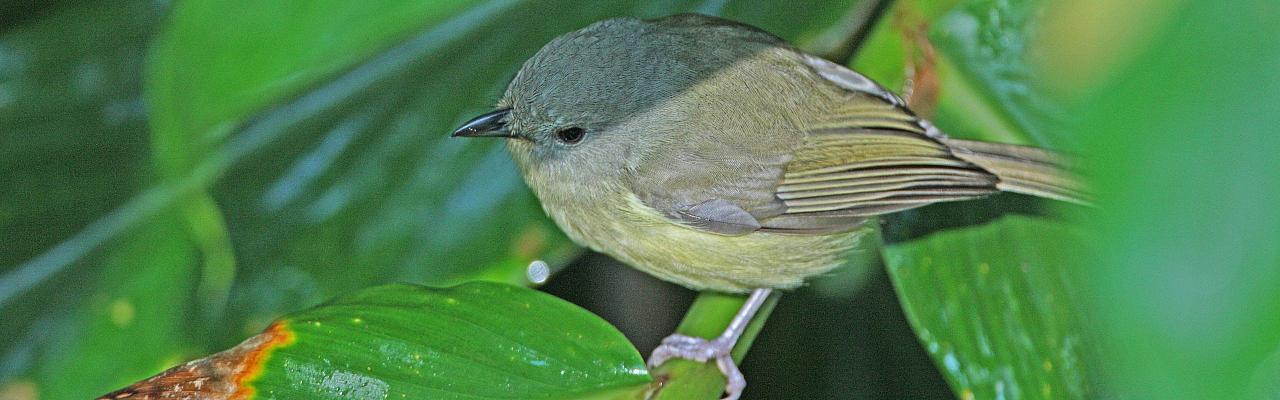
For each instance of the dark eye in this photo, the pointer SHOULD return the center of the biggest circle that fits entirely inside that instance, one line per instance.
(571, 135)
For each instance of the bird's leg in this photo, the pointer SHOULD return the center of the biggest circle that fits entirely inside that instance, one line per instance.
(718, 349)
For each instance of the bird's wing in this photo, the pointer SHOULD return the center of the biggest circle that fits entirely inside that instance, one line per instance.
(871, 156)
(715, 184)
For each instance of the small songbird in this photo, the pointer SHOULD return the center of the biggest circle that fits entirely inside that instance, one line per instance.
(714, 155)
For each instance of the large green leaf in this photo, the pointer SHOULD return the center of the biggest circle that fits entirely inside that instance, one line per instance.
(315, 159)
(201, 89)
(474, 341)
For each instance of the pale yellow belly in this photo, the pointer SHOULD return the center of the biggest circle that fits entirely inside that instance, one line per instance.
(640, 237)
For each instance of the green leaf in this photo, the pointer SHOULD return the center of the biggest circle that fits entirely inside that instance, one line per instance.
(992, 305)
(290, 45)
(72, 125)
(475, 341)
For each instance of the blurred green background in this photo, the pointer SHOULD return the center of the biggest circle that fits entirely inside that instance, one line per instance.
(178, 175)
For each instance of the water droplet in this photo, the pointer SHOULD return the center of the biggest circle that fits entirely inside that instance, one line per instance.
(538, 272)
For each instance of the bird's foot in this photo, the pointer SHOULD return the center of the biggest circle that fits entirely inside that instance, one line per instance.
(719, 349)
(702, 350)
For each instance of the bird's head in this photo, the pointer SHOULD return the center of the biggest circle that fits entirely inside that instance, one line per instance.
(592, 99)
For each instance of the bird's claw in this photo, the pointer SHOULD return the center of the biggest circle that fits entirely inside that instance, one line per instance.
(702, 350)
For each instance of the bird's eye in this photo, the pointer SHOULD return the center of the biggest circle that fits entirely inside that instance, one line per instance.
(571, 135)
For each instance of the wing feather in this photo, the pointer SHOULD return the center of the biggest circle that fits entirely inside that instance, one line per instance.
(862, 171)
(871, 156)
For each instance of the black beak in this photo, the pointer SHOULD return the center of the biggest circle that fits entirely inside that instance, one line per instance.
(487, 125)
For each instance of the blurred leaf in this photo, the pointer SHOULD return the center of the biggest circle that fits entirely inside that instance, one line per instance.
(73, 134)
(983, 282)
(979, 53)
(1185, 268)
(72, 123)
(133, 323)
(989, 44)
(885, 55)
(198, 100)
(476, 341)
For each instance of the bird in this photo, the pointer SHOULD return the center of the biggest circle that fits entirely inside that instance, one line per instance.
(714, 155)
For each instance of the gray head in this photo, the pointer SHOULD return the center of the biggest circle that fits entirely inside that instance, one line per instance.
(578, 109)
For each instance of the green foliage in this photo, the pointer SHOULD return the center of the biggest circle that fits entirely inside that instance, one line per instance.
(476, 341)
(989, 44)
(198, 101)
(1169, 123)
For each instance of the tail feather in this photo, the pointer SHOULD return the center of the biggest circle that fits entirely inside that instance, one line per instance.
(1023, 169)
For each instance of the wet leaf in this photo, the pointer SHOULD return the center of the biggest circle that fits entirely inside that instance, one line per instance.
(475, 341)
(992, 304)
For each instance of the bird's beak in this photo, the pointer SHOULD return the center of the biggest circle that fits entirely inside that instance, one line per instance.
(488, 125)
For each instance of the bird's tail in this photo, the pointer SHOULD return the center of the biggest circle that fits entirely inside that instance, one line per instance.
(1024, 169)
